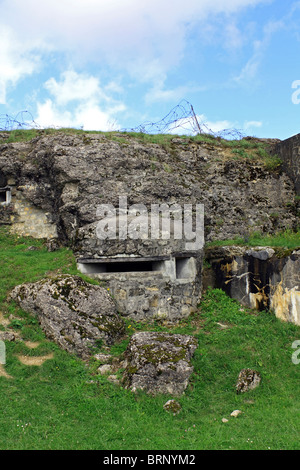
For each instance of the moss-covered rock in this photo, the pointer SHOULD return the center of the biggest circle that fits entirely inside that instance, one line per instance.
(72, 312)
(159, 362)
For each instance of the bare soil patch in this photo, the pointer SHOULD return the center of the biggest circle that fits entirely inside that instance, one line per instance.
(35, 361)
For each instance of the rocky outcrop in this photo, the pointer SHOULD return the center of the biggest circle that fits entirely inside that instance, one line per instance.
(263, 278)
(68, 176)
(76, 315)
(159, 362)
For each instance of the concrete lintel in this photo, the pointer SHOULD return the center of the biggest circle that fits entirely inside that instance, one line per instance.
(123, 259)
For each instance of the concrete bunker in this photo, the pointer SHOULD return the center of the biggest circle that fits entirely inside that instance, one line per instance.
(155, 287)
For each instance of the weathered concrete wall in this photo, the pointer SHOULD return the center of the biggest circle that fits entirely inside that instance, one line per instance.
(29, 220)
(165, 294)
(24, 217)
(259, 278)
(285, 288)
(289, 152)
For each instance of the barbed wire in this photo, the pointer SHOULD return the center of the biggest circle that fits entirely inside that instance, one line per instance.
(23, 120)
(182, 119)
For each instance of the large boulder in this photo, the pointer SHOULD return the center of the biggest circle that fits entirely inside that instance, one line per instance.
(75, 314)
(159, 362)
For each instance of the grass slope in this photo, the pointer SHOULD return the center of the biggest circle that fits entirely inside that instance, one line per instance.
(63, 404)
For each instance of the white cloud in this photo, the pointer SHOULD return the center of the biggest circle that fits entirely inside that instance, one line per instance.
(49, 116)
(249, 71)
(234, 37)
(140, 39)
(78, 100)
(252, 124)
(191, 126)
(214, 126)
(17, 60)
(132, 34)
(234, 127)
(88, 116)
(158, 93)
(74, 87)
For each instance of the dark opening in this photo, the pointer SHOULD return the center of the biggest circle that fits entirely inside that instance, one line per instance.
(122, 265)
(2, 196)
(3, 180)
(128, 267)
(119, 267)
(259, 282)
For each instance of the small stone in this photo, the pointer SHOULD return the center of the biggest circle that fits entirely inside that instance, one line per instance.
(52, 244)
(222, 326)
(236, 413)
(113, 379)
(123, 364)
(7, 336)
(261, 253)
(248, 379)
(172, 406)
(104, 358)
(105, 369)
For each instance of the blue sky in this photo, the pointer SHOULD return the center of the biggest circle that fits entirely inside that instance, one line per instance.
(116, 64)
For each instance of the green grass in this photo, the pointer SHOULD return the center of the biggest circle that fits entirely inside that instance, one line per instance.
(287, 240)
(18, 264)
(24, 135)
(64, 405)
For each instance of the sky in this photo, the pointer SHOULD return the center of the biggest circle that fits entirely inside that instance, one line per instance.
(118, 64)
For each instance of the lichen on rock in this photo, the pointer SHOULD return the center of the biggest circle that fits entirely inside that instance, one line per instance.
(72, 312)
(248, 380)
(159, 362)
